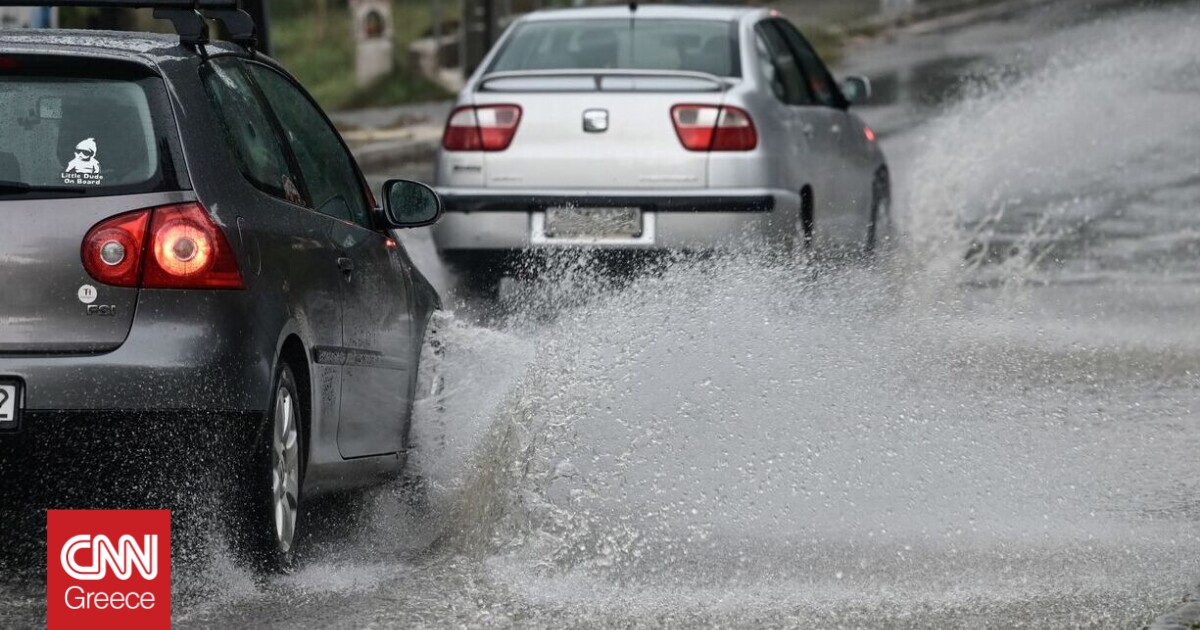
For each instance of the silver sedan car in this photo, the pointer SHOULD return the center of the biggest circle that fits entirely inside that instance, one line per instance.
(655, 127)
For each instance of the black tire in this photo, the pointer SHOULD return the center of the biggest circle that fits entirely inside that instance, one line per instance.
(479, 273)
(270, 546)
(879, 227)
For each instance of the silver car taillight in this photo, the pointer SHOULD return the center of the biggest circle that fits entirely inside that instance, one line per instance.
(714, 128)
(481, 128)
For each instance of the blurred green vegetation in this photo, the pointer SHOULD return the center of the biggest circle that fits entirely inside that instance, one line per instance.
(314, 40)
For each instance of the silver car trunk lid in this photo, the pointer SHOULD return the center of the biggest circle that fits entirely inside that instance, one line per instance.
(48, 302)
(597, 132)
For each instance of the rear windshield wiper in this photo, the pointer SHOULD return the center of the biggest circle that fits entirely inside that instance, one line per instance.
(22, 187)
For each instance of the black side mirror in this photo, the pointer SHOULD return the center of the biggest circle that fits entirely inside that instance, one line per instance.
(409, 204)
(857, 90)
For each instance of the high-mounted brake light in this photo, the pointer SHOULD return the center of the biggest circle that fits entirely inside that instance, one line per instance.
(714, 128)
(169, 247)
(481, 128)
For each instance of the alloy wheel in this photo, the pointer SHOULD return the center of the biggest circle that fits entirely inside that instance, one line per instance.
(285, 469)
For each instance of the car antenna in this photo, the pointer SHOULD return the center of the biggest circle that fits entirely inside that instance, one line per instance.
(632, 25)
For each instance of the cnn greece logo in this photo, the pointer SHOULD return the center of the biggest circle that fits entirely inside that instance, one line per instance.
(108, 569)
(122, 557)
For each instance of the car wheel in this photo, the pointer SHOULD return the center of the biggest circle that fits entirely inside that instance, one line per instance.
(479, 274)
(879, 229)
(273, 512)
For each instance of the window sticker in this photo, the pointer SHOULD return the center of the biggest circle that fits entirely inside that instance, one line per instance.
(85, 168)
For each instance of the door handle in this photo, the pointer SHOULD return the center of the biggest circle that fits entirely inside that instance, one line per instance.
(347, 267)
(808, 130)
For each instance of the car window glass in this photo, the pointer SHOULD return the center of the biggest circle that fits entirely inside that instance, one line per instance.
(93, 134)
(329, 173)
(787, 80)
(819, 80)
(708, 46)
(768, 68)
(248, 131)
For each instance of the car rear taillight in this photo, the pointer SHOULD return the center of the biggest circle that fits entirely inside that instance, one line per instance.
(188, 251)
(112, 250)
(714, 128)
(481, 128)
(168, 247)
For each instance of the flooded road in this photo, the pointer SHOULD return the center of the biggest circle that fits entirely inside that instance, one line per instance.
(935, 440)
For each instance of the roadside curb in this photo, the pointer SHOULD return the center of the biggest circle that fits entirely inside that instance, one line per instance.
(385, 156)
(932, 18)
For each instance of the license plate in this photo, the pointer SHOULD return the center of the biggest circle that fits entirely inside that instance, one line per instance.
(10, 404)
(593, 222)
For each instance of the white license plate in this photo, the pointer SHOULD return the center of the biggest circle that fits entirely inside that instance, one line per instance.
(10, 404)
(593, 223)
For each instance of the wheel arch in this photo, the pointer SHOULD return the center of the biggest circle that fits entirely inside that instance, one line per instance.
(295, 353)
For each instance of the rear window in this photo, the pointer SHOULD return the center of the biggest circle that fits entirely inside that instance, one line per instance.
(68, 133)
(637, 44)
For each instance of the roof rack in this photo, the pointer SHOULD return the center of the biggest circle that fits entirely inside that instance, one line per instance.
(187, 16)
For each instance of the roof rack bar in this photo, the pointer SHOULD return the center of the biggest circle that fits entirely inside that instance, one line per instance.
(187, 16)
(128, 4)
(238, 24)
(192, 29)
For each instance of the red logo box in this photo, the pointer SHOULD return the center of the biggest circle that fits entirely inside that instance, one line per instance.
(108, 569)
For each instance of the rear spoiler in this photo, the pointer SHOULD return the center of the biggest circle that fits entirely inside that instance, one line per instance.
(188, 16)
(602, 81)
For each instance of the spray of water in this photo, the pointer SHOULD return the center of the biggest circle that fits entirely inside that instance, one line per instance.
(738, 440)
(1101, 139)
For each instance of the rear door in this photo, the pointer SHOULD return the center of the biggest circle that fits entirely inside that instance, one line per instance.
(79, 142)
(377, 323)
(848, 201)
(293, 240)
(812, 129)
(582, 129)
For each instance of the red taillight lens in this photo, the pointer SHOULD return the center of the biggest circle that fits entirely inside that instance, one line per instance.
(188, 251)
(482, 128)
(112, 250)
(714, 128)
(169, 247)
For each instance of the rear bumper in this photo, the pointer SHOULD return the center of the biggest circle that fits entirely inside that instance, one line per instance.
(506, 220)
(185, 351)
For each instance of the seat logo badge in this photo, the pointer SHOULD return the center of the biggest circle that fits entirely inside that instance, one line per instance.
(595, 120)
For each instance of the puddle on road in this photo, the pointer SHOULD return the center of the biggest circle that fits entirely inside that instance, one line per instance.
(742, 442)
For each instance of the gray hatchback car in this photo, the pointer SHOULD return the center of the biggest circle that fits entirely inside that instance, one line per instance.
(185, 235)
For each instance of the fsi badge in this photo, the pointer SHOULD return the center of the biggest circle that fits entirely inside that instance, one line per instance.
(108, 569)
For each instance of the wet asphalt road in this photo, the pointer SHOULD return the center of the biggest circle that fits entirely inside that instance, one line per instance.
(995, 425)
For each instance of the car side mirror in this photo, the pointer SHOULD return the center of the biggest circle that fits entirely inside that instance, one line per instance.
(409, 204)
(857, 90)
